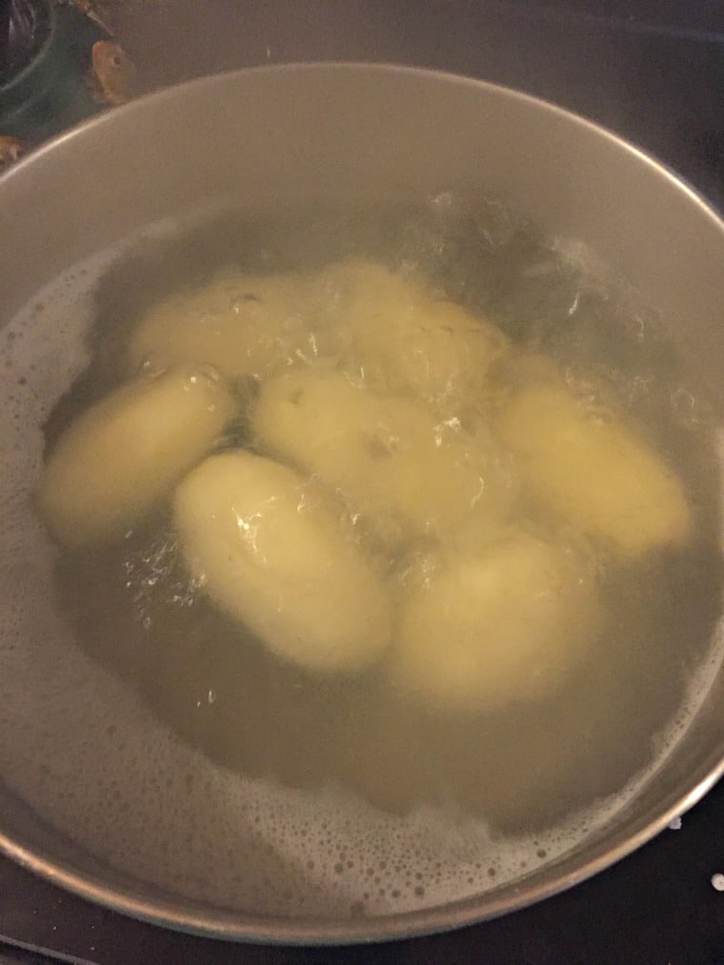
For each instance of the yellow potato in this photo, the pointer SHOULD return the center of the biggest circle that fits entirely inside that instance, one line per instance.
(596, 474)
(402, 337)
(273, 557)
(505, 625)
(409, 473)
(240, 324)
(126, 452)
(525, 368)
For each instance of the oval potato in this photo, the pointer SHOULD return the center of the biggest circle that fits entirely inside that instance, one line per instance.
(506, 625)
(243, 325)
(390, 458)
(598, 475)
(273, 557)
(122, 455)
(402, 337)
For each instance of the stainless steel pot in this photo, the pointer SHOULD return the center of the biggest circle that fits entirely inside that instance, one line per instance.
(351, 133)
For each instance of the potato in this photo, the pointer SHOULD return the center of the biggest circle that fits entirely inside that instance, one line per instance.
(508, 624)
(402, 337)
(122, 455)
(409, 473)
(519, 369)
(240, 324)
(273, 557)
(598, 475)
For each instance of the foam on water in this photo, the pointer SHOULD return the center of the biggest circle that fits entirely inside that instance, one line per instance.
(87, 755)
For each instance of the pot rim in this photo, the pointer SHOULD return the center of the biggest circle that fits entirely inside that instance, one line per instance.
(196, 918)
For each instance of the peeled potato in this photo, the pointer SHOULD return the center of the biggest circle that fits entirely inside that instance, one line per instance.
(241, 324)
(273, 557)
(126, 452)
(409, 473)
(482, 631)
(402, 337)
(598, 475)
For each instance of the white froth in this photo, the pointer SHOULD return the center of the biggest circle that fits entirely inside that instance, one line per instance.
(89, 757)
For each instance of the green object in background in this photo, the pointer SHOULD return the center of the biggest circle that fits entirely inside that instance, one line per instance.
(51, 92)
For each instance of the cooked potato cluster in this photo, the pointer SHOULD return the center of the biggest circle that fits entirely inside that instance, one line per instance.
(388, 424)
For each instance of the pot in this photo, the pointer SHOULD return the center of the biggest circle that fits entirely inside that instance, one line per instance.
(265, 139)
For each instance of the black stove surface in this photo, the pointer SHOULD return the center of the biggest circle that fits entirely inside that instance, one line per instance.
(652, 70)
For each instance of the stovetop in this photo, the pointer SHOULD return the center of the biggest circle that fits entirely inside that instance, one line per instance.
(653, 70)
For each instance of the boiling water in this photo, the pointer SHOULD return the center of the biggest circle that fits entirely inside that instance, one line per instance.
(157, 734)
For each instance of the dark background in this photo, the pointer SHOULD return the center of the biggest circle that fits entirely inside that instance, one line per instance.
(653, 70)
